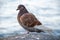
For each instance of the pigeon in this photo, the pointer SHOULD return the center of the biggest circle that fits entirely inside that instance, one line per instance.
(27, 20)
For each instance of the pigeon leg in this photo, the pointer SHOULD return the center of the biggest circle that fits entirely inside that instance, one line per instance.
(28, 32)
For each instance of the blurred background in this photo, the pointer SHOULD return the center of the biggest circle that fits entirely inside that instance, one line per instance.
(47, 11)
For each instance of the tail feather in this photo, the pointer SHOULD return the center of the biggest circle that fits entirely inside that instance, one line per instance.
(43, 28)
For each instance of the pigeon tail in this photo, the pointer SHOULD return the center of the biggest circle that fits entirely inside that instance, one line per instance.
(45, 29)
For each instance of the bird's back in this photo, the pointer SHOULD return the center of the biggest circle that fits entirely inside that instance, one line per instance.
(29, 20)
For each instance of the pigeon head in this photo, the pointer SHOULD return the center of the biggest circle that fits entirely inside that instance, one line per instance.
(20, 7)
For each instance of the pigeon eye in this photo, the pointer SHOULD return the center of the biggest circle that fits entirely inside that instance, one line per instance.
(22, 8)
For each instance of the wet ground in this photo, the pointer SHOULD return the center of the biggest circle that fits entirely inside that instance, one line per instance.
(32, 36)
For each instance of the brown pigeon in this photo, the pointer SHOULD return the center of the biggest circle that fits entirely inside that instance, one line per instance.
(27, 20)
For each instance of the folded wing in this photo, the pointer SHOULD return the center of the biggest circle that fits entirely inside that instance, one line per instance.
(29, 20)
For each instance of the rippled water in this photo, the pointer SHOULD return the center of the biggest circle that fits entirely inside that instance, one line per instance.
(47, 11)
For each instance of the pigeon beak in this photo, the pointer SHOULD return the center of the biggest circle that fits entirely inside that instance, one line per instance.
(17, 9)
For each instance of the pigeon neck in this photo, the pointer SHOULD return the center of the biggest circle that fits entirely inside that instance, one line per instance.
(21, 12)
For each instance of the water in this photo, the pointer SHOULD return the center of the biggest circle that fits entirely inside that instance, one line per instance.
(47, 11)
